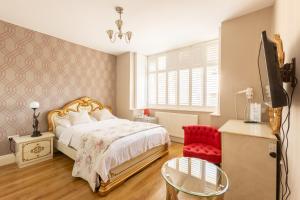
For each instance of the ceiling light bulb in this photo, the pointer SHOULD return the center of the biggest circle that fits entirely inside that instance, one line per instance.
(110, 33)
(129, 34)
(119, 23)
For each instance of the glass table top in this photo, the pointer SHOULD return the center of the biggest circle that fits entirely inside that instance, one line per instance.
(195, 176)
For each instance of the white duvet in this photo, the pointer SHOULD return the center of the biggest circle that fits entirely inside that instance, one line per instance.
(120, 150)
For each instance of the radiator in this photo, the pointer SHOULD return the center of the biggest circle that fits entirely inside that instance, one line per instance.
(173, 122)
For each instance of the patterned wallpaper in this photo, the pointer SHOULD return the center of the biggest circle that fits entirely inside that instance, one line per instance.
(35, 66)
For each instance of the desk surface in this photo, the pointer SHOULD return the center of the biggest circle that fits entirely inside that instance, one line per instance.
(239, 127)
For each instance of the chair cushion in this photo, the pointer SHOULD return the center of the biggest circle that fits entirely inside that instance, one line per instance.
(203, 151)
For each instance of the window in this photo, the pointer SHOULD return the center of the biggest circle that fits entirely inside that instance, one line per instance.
(197, 86)
(212, 86)
(152, 88)
(185, 78)
(184, 83)
(161, 62)
(172, 88)
(212, 75)
(161, 82)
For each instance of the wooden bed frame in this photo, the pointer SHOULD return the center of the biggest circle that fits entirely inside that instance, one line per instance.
(118, 174)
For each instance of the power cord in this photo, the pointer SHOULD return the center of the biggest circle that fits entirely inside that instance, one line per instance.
(12, 145)
(285, 188)
(285, 128)
(288, 73)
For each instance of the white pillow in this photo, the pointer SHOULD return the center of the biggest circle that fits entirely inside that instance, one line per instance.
(81, 117)
(59, 130)
(103, 114)
(93, 119)
(62, 122)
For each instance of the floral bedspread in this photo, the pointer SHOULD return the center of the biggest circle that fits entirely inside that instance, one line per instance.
(94, 144)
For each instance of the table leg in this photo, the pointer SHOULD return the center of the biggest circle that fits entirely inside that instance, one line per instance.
(171, 192)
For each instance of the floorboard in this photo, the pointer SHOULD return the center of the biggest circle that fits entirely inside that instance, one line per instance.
(52, 180)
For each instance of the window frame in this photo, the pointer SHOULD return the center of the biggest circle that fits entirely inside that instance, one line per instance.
(190, 107)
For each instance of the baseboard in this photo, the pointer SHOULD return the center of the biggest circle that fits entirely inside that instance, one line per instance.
(176, 139)
(7, 159)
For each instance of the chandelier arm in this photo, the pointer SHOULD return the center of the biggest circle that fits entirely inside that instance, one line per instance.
(126, 38)
(113, 39)
(115, 36)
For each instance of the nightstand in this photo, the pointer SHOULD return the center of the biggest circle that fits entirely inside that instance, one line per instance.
(146, 119)
(32, 150)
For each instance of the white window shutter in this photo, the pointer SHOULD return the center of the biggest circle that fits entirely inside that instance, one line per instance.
(152, 88)
(172, 88)
(184, 82)
(212, 81)
(212, 53)
(186, 77)
(161, 63)
(212, 74)
(161, 87)
(197, 87)
(151, 65)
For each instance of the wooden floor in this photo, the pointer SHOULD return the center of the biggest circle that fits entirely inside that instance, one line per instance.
(52, 180)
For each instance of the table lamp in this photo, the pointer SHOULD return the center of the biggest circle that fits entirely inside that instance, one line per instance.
(147, 112)
(35, 122)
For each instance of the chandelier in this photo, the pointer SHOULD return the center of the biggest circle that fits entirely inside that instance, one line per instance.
(119, 22)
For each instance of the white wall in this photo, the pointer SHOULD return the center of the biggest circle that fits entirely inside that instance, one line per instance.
(124, 86)
(287, 24)
(240, 40)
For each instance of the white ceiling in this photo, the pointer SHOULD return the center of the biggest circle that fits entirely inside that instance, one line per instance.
(157, 25)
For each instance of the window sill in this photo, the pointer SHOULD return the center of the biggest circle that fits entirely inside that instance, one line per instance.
(216, 114)
(189, 109)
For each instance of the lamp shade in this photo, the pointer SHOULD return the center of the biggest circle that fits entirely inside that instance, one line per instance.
(34, 105)
(147, 111)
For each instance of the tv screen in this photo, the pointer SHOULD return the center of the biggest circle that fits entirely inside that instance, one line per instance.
(270, 78)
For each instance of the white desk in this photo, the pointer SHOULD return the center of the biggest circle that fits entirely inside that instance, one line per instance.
(245, 158)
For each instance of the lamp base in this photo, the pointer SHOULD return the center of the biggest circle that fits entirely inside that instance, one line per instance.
(36, 134)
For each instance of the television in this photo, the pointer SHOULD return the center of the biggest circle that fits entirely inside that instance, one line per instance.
(273, 92)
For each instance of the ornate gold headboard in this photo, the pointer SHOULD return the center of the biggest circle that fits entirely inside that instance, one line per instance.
(83, 103)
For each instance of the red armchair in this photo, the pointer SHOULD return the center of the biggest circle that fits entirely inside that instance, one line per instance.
(202, 142)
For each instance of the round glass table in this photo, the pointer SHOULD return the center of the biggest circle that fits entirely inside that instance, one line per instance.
(193, 178)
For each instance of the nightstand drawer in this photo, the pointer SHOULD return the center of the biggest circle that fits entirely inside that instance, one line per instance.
(36, 150)
(32, 150)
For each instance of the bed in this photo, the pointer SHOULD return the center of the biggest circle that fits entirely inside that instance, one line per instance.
(137, 150)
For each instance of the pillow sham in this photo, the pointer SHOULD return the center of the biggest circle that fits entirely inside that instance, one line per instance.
(59, 130)
(81, 117)
(103, 114)
(62, 122)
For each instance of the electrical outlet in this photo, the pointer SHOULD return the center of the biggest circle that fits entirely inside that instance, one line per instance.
(12, 136)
